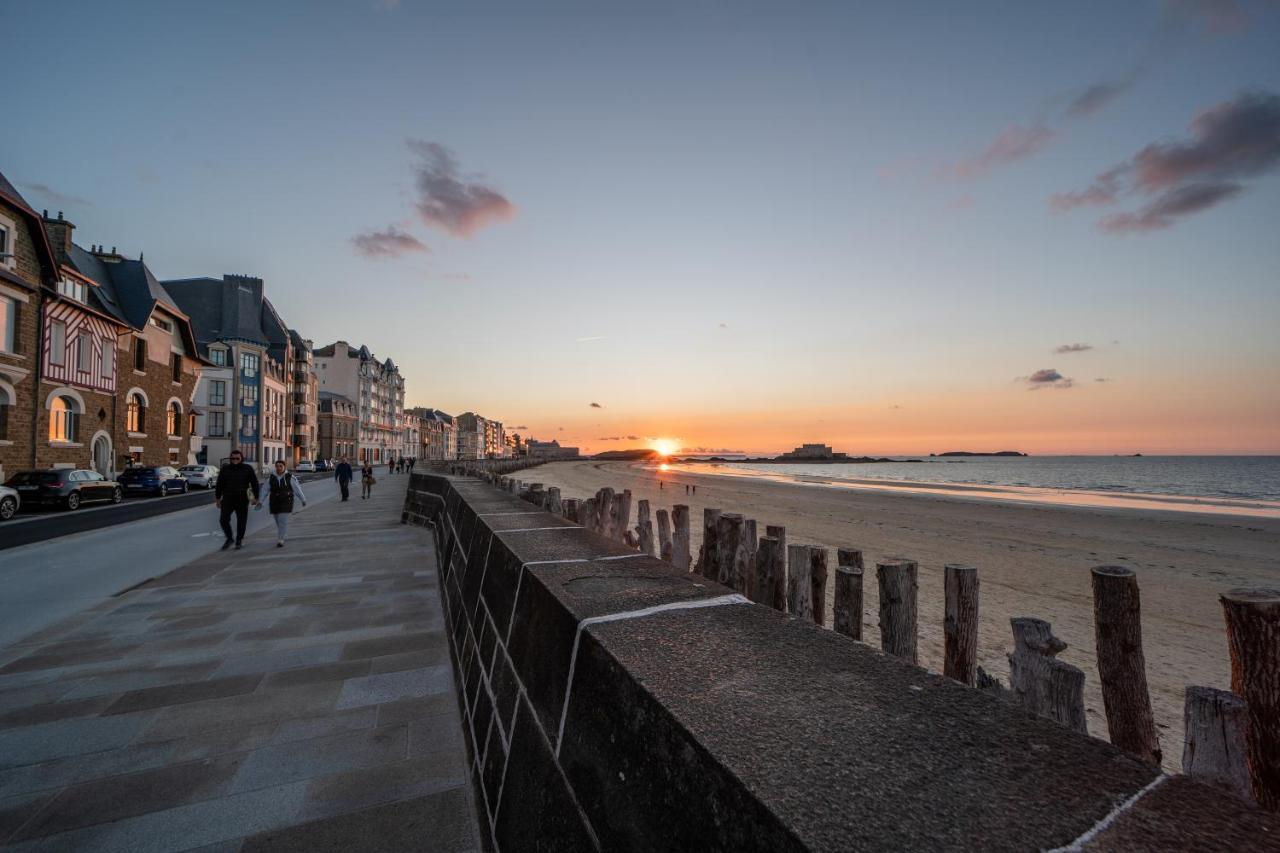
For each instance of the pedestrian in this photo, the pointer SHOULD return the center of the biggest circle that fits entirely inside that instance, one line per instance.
(695, 489)
(412, 459)
(400, 465)
(237, 485)
(366, 480)
(344, 476)
(660, 485)
(686, 488)
(279, 491)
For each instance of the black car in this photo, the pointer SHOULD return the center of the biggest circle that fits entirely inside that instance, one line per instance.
(152, 480)
(67, 487)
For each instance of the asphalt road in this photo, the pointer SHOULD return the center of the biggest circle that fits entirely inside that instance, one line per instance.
(47, 581)
(42, 525)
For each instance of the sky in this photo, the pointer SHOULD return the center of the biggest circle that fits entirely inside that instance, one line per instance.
(737, 226)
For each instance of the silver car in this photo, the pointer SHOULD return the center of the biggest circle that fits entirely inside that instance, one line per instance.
(204, 476)
(9, 503)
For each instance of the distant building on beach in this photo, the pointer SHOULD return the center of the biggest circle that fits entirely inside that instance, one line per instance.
(813, 451)
(549, 450)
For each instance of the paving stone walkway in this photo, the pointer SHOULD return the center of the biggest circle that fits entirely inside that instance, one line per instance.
(265, 699)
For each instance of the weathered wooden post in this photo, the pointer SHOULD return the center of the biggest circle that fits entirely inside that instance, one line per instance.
(1214, 749)
(1041, 682)
(818, 580)
(897, 582)
(769, 587)
(570, 509)
(1122, 669)
(777, 531)
(1253, 636)
(622, 515)
(604, 512)
(960, 623)
(848, 604)
(587, 513)
(681, 557)
(728, 539)
(708, 566)
(800, 581)
(644, 527)
(665, 549)
(746, 567)
(554, 502)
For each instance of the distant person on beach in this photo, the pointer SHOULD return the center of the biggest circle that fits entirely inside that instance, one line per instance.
(366, 480)
(236, 482)
(279, 491)
(344, 475)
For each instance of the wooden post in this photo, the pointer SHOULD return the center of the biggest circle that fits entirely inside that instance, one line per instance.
(1122, 669)
(848, 609)
(1215, 722)
(554, 502)
(681, 557)
(570, 509)
(1253, 636)
(604, 512)
(622, 515)
(728, 539)
(897, 582)
(769, 587)
(708, 554)
(851, 557)
(1041, 682)
(665, 548)
(644, 527)
(746, 567)
(960, 624)
(818, 580)
(777, 531)
(799, 581)
(587, 513)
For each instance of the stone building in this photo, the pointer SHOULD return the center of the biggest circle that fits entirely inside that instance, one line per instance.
(437, 439)
(338, 426)
(303, 391)
(471, 436)
(377, 389)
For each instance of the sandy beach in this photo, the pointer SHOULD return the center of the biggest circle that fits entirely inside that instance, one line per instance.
(1033, 560)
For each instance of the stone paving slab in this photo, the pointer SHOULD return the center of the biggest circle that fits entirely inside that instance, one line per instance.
(298, 698)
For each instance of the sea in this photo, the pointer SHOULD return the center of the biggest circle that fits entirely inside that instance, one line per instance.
(1209, 477)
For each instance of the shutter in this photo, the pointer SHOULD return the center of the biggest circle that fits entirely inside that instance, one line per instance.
(17, 327)
(73, 426)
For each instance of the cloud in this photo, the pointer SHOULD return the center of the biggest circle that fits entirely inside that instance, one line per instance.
(1095, 97)
(390, 242)
(49, 194)
(596, 406)
(1068, 348)
(449, 202)
(1230, 143)
(709, 450)
(1013, 144)
(1046, 378)
(620, 438)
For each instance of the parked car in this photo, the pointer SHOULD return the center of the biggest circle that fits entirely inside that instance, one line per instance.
(305, 467)
(204, 476)
(10, 500)
(321, 465)
(67, 487)
(152, 480)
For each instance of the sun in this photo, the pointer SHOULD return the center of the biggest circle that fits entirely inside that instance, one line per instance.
(666, 446)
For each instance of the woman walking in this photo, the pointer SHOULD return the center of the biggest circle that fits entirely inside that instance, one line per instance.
(278, 493)
(366, 480)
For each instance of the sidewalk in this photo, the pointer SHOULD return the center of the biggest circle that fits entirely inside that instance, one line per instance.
(264, 699)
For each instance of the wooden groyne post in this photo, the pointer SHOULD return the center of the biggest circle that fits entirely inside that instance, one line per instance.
(1041, 682)
(960, 623)
(681, 557)
(769, 588)
(1122, 668)
(1214, 722)
(1253, 636)
(728, 541)
(847, 618)
(799, 582)
(898, 588)
(554, 502)
(707, 555)
(665, 549)
(818, 580)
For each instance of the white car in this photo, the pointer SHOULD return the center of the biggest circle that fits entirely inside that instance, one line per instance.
(305, 467)
(204, 476)
(9, 503)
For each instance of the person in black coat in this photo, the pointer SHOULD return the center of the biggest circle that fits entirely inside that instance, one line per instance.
(344, 475)
(237, 486)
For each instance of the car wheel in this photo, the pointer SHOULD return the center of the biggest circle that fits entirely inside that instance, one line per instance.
(117, 495)
(184, 487)
(73, 501)
(8, 506)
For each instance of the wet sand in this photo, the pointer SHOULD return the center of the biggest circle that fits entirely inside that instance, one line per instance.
(1033, 560)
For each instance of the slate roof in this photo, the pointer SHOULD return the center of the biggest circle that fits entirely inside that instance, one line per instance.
(220, 310)
(48, 263)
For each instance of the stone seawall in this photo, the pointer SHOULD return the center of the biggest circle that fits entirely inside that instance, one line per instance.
(612, 702)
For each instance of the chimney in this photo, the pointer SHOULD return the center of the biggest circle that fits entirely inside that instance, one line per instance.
(59, 231)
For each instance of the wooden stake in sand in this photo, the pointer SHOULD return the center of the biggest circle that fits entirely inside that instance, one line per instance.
(587, 513)
(621, 520)
(1117, 631)
(1253, 636)
(1041, 682)
(818, 580)
(680, 556)
(848, 604)
(644, 527)
(897, 582)
(960, 623)
(746, 566)
(708, 554)
(554, 503)
(728, 544)
(1215, 749)
(603, 516)
(769, 587)
(665, 549)
(777, 531)
(570, 509)
(800, 581)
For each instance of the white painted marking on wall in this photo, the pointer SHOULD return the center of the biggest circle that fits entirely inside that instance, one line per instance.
(1079, 844)
(697, 604)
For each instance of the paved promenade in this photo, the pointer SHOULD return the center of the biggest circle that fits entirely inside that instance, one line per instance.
(264, 699)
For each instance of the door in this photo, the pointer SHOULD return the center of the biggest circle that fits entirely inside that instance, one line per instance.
(95, 486)
(102, 456)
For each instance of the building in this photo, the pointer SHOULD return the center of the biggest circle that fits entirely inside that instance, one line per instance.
(814, 451)
(471, 436)
(437, 436)
(339, 424)
(411, 433)
(549, 450)
(303, 392)
(276, 414)
(377, 389)
(495, 440)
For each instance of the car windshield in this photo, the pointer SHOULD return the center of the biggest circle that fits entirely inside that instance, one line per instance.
(31, 478)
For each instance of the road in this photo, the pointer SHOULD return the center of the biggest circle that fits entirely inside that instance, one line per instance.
(48, 581)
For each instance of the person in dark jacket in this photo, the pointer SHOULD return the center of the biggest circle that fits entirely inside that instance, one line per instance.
(279, 491)
(344, 475)
(366, 480)
(237, 486)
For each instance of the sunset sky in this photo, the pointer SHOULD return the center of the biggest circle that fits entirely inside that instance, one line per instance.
(1046, 227)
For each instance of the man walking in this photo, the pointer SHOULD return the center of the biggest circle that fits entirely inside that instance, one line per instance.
(237, 482)
(344, 475)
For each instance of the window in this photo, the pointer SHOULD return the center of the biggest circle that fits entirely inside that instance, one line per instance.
(176, 362)
(217, 392)
(7, 258)
(217, 424)
(57, 342)
(63, 419)
(84, 352)
(218, 357)
(139, 354)
(136, 414)
(162, 324)
(249, 364)
(108, 357)
(8, 323)
(73, 287)
(173, 420)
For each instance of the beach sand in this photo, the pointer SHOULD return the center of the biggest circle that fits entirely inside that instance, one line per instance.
(1032, 559)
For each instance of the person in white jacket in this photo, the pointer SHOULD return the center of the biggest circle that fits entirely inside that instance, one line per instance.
(278, 493)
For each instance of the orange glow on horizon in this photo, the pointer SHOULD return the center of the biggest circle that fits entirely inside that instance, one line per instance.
(666, 446)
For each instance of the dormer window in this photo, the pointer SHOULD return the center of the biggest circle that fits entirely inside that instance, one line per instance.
(161, 323)
(73, 288)
(7, 229)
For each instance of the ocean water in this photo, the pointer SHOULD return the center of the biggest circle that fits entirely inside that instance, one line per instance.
(1221, 477)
